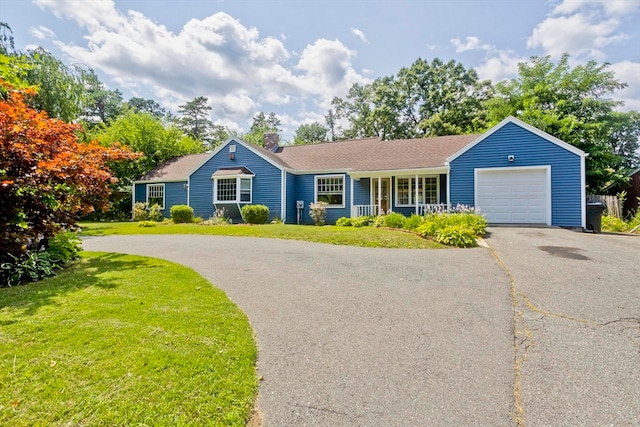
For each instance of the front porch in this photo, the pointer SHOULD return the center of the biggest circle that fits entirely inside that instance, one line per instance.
(418, 193)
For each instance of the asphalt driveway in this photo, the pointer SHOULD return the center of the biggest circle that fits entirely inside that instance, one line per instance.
(386, 337)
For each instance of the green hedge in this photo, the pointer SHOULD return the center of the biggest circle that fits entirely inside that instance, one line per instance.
(182, 214)
(255, 214)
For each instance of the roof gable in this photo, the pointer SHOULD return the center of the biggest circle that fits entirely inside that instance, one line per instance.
(523, 125)
(266, 155)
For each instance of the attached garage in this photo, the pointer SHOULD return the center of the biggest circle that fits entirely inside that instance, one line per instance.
(518, 174)
(514, 195)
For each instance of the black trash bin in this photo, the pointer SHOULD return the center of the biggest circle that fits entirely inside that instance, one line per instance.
(594, 217)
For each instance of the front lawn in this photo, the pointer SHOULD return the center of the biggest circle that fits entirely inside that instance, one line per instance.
(361, 236)
(124, 340)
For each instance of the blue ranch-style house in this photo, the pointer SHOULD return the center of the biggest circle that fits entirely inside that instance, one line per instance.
(515, 173)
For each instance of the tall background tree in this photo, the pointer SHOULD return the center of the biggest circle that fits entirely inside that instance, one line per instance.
(310, 133)
(194, 118)
(262, 124)
(424, 99)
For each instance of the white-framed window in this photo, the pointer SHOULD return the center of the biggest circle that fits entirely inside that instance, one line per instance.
(236, 189)
(155, 195)
(406, 190)
(330, 189)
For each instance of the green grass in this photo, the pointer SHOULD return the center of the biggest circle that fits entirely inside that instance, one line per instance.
(124, 340)
(361, 236)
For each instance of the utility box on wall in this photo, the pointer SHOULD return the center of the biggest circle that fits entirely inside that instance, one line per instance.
(300, 204)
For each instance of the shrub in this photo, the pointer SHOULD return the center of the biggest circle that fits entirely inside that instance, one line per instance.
(612, 223)
(318, 212)
(378, 221)
(181, 214)
(344, 222)
(455, 229)
(255, 214)
(219, 217)
(64, 246)
(147, 224)
(456, 235)
(142, 212)
(413, 222)
(394, 220)
(32, 266)
(362, 221)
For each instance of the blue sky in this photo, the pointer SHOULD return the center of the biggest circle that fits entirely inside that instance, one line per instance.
(293, 57)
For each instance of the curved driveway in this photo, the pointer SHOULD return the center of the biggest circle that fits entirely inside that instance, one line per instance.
(389, 337)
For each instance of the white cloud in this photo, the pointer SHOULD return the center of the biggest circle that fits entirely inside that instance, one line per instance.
(578, 34)
(583, 28)
(611, 7)
(628, 72)
(499, 66)
(42, 32)
(360, 34)
(472, 43)
(217, 57)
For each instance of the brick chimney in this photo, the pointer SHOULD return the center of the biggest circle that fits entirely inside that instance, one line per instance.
(271, 140)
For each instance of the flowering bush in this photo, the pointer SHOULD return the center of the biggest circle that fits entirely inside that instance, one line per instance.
(219, 217)
(454, 229)
(142, 212)
(318, 212)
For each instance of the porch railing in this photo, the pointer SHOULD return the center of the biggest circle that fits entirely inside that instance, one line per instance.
(433, 207)
(364, 210)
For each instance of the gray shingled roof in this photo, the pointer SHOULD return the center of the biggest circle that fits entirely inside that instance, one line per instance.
(176, 169)
(361, 155)
(356, 155)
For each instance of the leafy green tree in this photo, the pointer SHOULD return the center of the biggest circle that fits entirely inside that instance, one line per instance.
(425, 99)
(146, 134)
(141, 105)
(262, 124)
(330, 120)
(195, 119)
(573, 105)
(60, 87)
(101, 105)
(622, 132)
(310, 134)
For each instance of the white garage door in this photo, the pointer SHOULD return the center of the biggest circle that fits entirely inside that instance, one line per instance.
(513, 195)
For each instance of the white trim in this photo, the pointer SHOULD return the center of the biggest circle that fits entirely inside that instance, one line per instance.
(315, 188)
(398, 172)
(546, 168)
(583, 186)
(164, 194)
(351, 196)
(414, 196)
(238, 179)
(159, 181)
(449, 187)
(246, 145)
(283, 196)
(523, 125)
(133, 199)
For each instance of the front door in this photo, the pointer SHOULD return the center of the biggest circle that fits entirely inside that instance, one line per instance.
(384, 203)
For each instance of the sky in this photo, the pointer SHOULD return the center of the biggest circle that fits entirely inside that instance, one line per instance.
(292, 57)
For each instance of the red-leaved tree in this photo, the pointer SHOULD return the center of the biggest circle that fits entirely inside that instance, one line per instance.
(47, 177)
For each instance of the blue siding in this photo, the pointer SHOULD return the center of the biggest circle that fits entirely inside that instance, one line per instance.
(305, 191)
(267, 183)
(529, 150)
(291, 199)
(362, 191)
(175, 193)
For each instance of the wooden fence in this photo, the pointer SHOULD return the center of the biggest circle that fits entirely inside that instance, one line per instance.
(611, 203)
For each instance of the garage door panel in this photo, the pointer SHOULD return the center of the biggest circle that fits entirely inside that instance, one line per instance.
(513, 195)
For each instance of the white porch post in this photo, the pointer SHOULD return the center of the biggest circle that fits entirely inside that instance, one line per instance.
(416, 199)
(380, 196)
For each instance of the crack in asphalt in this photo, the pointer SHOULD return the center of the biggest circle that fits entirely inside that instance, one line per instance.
(523, 331)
